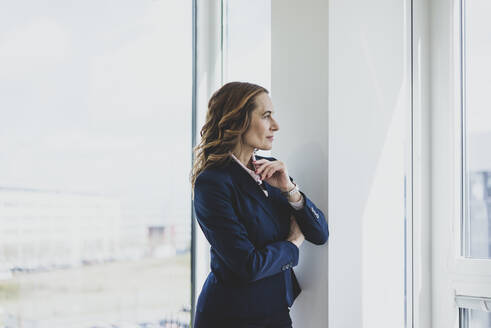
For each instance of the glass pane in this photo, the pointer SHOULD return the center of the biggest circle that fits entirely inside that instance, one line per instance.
(247, 51)
(95, 153)
(477, 129)
(474, 319)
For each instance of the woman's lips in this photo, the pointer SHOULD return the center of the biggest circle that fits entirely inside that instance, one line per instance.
(270, 138)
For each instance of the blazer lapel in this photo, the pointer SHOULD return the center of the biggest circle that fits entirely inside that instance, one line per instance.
(245, 183)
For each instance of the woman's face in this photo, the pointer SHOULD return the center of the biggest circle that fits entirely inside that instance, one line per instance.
(262, 128)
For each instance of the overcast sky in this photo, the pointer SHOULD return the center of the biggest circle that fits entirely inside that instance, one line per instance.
(95, 96)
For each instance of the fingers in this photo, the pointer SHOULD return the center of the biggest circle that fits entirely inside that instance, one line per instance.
(261, 165)
(266, 170)
(269, 171)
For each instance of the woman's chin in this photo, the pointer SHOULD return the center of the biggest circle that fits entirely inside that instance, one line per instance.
(266, 147)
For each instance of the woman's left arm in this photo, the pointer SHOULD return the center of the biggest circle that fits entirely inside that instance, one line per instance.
(310, 219)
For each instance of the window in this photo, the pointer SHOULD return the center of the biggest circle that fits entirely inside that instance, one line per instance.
(461, 262)
(95, 144)
(247, 41)
(476, 75)
(474, 318)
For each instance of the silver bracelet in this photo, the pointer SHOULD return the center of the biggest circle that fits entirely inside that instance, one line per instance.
(291, 192)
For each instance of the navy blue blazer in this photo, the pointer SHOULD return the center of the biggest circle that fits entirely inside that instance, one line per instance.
(251, 260)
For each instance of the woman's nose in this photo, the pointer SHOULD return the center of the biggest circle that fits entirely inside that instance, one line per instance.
(275, 126)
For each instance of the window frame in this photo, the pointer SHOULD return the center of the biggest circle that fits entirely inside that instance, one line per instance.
(453, 275)
(463, 266)
(207, 77)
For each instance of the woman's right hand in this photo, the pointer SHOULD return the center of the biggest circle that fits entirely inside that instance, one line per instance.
(295, 236)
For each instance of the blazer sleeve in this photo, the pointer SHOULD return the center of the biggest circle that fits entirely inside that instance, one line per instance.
(312, 222)
(228, 236)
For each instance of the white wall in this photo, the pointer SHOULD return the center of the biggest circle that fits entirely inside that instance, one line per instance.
(341, 89)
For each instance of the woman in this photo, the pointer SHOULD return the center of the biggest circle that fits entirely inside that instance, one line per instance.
(251, 212)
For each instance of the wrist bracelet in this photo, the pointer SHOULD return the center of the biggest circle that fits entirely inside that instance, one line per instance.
(291, 192)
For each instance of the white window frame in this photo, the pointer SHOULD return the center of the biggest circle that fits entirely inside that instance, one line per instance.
(454, 277)
(463, 265)
(419, 306)
(208, 78)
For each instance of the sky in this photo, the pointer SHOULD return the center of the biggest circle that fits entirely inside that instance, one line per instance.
(96, 97)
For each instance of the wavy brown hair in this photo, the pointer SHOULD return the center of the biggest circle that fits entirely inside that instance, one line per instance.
(227, 119)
